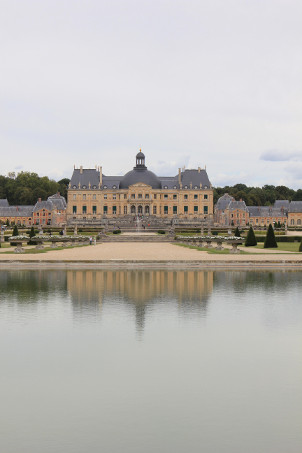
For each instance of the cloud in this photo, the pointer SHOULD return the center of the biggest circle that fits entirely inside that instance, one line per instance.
(281, 156)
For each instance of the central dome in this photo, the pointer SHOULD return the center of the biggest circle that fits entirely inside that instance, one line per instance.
(140, 173)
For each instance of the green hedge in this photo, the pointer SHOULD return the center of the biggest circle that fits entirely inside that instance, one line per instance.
(281, 238)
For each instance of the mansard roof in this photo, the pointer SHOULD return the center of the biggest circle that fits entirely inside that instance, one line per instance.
(196, 178)
(58, 200)
(295, 206)
(47, 205)
(237, 205)
(4, 203)
(83, 178)
(90, 179)
(223, 202)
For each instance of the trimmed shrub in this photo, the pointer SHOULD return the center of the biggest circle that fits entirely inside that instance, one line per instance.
(300, 248)
(237, 233)
(270, 240)
(15, 231)
(161, 232)
(251, 238)
(31, 234)
(116, 231)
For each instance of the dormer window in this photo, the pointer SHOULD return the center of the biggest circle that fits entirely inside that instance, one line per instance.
(165, 187)
(84, 187)
(113, 187)
(94, 187)
(74, 187)
(174, 187)
(104, 187)
(186, 187)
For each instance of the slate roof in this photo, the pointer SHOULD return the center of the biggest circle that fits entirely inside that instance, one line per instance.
(265, 211)
(223, 202)
(233, 205)
(282, 204)
(48, 205)
(16, 211)
(84, 178)
(295, 206)
(3, 203)
(196, 178)
(58, 200)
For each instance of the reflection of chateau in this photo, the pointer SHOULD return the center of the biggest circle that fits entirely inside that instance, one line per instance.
(139, 288)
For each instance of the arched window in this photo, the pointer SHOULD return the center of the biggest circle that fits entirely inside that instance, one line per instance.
(147, 210)
(133, 210)
(299, 222)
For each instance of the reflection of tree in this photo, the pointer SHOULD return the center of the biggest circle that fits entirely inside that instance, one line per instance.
(139, 289)
(266, 279)
(28, 286)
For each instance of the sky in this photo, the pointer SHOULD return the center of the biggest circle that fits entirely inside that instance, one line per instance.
(215, 83)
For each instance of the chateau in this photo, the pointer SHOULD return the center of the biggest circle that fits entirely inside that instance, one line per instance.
(93, 196)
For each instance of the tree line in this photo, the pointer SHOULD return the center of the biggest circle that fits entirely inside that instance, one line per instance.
(27, 187)
(259, 196)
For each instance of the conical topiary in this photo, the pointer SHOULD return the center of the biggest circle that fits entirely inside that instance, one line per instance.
(251, 238)
(270, 240)
(31, 234)
(15, 231)
(237, 233)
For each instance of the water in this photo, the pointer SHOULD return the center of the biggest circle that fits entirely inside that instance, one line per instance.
(150, 361)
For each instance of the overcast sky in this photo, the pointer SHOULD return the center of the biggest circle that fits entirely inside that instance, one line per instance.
(191, 82)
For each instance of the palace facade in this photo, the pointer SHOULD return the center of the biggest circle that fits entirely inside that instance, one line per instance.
(93, 196)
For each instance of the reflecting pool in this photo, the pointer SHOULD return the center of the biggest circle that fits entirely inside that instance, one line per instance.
(150, 361)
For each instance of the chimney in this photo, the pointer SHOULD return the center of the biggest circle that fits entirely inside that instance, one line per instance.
(81, 169)
(199, 169)
(179, 176)
(101, 176)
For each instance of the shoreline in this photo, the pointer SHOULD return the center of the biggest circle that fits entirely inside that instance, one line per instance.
(147, 264)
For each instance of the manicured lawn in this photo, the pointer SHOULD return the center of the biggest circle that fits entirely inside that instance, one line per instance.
(282, 246)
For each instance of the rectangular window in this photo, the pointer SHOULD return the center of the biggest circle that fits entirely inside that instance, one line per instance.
(113, 209)
(154, 209)
(125, 196)
(205, 197)
(105, 209)
(165, 196)
(185, 209)
(114, 196)
(195, 196)
(125, 209)
(174, 209)
(133, 195)
(165, 209)
(105, 196)
(205, 210)
(195, 208)
(84, 196)
(174, 197)
(94, 196)
(185, 197)
(147, 195)
(155, 196)
(74, 196)
(140, 195)
(93, 209)
(84, 209)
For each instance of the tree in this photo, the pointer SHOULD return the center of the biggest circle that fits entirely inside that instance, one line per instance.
(251, 238)
(237, 232)
(270, 240)
(31, 235)
(15, 231)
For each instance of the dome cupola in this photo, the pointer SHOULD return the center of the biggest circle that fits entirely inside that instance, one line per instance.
(140, 173)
